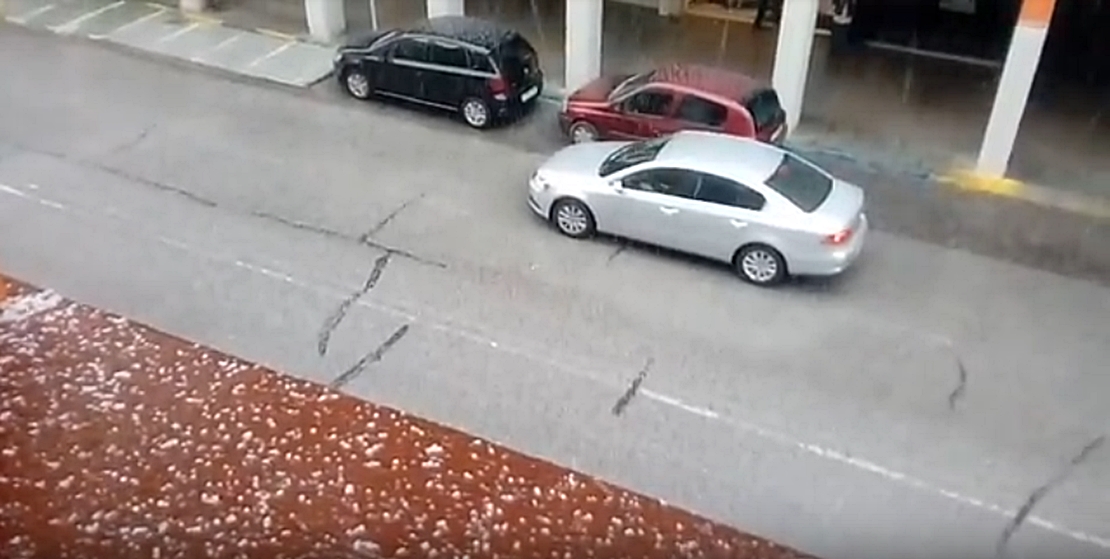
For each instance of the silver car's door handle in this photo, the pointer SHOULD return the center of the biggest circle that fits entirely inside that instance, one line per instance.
(668, 211)
(738, 224)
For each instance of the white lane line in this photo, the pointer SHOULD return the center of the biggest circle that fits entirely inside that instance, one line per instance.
(137, 22)
(24, 18)
(177, 33)
(431, 320)
(70, 26)
(271, 54)
(220, 46)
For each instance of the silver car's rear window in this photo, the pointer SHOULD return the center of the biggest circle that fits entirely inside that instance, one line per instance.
(632, 154)
(800, 183)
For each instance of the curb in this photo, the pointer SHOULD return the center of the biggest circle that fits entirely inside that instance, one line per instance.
(1076, 202)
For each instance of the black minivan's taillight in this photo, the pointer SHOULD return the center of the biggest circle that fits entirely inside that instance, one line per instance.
(498, 88)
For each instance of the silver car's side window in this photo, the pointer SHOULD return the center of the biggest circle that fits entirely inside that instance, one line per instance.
(672, 182)
(719, 190)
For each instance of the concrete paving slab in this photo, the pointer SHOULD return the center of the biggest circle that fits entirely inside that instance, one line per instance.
(144, 32)
(246, 50)
(198, 40)
(100, 25)
(301, 64)
(91, 10)
(20, 11)
(61, 12)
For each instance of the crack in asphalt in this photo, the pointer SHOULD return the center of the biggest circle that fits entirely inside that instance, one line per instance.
(303, 226)
(387, 219)
(620, 249)
(370, 358)
(961, 385)
(133, 142)
(336, 317)
(1041, 492)
(208, 203)
(633, 388)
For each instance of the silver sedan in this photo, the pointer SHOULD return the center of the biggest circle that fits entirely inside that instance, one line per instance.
(762, 209)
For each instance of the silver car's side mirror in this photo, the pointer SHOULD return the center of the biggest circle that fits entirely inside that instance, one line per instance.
(617, 185)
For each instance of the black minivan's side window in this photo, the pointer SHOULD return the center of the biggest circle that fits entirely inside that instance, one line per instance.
(411, 49)
(480, 63)
(451, 56)
(673, 182)
(718, 190)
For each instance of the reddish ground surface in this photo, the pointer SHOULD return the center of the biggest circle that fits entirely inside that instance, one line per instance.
(121, 441)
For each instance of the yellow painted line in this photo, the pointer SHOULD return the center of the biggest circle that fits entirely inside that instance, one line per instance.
(974, 182)
(276, 34)
(157, 6)
(203, 19)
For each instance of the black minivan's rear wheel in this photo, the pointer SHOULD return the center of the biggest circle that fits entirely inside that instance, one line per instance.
(476, 113)
(356, 83)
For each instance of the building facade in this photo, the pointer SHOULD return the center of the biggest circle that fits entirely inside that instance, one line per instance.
(1002, 39)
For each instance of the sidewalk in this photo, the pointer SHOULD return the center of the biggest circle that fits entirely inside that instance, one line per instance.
(158, 29)
(121, 441)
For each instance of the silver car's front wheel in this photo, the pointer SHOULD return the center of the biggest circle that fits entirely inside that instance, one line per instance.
(573, 219)
(761, 265)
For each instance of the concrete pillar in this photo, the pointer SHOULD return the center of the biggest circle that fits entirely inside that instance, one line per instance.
(583, 42)
(1014, 86)
(436, 8)
(795, 44)
(326, 19)
(671, 8)
(193, 5)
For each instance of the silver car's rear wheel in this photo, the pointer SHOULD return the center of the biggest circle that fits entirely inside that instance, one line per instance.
(760, 264)
(573, 219)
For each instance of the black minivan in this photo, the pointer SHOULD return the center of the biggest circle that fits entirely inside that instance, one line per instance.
(471, 66)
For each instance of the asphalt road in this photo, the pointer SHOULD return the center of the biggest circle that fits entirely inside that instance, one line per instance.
(908, 409)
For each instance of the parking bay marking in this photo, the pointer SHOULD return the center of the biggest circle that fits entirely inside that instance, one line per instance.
(429, 319)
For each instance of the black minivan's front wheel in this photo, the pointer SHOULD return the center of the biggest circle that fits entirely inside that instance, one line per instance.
(475, 112)
(356, 83)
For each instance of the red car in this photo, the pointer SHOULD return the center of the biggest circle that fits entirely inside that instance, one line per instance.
(670, 99)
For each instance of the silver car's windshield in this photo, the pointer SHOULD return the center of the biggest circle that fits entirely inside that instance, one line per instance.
(631, 154)
(800, 183)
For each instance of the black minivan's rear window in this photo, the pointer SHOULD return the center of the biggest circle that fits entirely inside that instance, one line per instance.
(518, 60)
(765, 108)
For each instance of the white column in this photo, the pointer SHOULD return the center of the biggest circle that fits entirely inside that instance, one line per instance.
(1013, 87)
(436, 8)
(796, 28)
(671, 8)
(583, 47)
(326, 19)
(193, 5)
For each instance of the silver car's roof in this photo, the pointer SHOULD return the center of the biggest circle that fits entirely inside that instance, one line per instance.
(742, 159)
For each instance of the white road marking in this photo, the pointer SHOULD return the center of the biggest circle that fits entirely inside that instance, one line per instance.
(221, 45)
(70, 26)
(430, 320)
(134, 23)
(271, 54)
(24, 18)
(177, 33)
